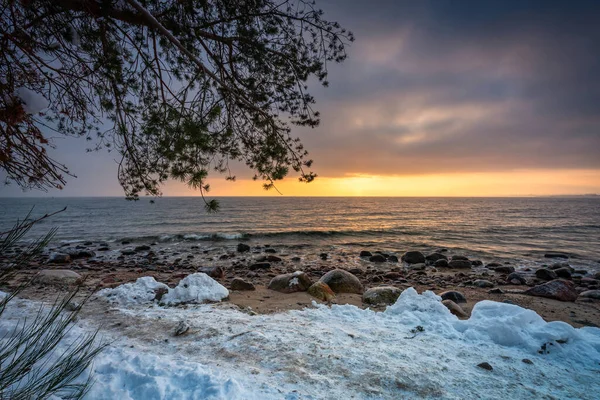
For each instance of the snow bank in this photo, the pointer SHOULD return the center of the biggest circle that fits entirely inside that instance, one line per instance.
(143, 290)
(196, 288)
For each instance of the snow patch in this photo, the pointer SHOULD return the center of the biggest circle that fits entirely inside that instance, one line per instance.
(143, 290)
(33, 102)
(196, 288)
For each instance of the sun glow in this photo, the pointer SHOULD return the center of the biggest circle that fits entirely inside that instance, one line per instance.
(517, 183)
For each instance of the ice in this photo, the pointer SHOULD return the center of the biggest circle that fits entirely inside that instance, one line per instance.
(196, 288)
(342, 351)
(143, 290)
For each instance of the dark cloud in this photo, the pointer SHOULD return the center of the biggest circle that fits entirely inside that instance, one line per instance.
(437, 86)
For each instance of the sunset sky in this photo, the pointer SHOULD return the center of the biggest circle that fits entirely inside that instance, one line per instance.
(437, 98)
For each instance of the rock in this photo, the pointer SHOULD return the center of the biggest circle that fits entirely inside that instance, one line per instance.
(455, 308)
(591, 294)
(240, 284)
(159, 292)
(392, 259)
(545, 274)
(516, 277)
(477, 263)
(365, 253)
(417, 267)
(242, 248)
(263, 265)
(181, 328)
(213, 272)
(272, 258)
(60, 277)
(558, 289)
(323, 256)
(72, 306)
(381, 295)
(441, 263)
(563, 272)
(433, 257)
(289, 283)
(558, 265)
(496, 291)
(459, 263)
(143, 247)
(493, 265)
(485, 366)
(378, 258)
(482, 283)
(270, 250)
(527, 361)
(455, 296)
(502, 269)
(127, 252)
(597, 276)
(321, 291)
(59, 258)
(84, 254)
(460, 258)
(413, 257)
(392, 275)
(341, 281)
(296, 259)
(556, 255)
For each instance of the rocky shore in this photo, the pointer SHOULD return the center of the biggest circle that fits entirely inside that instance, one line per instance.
(265, 278)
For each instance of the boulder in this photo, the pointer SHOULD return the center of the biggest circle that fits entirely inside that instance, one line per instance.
(591, 294)
(433, 257)
(213, 272)
(381, 295)
(462, 264)
(60, 277)
(482, 283)
(392, 259)
(365, 253)
(455, 308)
(502, 269)
(270, 250)
(545, 274)
(413, 257)
(477, 263)
(242, 248)
(321, 291)
(378, 258)
(59, 258)
(143, 247)
(341, 281)
(240, 284)
(272, 258)
(289, 283)
(486, 366)
(493, 265)
(563, 272)
(441, 263)
(460, 258)
(455, 296)
(558, 289)
(261, 265)
(516, 279)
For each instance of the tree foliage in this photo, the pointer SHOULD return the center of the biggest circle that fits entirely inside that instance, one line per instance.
(177, 88)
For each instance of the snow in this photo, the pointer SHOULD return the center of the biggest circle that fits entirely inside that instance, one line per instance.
(196, 288)
(341, 352)
(143, 290)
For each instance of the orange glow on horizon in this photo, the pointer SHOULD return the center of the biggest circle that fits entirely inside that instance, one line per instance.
(517, 183)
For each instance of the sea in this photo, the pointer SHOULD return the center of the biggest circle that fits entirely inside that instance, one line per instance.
(521, 230)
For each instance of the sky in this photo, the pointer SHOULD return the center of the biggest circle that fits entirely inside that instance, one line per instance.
(436, 98)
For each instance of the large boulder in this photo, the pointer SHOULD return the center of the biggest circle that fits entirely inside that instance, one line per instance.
(381, 295)
(321, 291)
(558, 289)
(240, 284)
(60, 277)
(545, 274)
(413, 257)
(461, 264)
(455, 296)
(455, 308)
(341, 281)
(289, 283)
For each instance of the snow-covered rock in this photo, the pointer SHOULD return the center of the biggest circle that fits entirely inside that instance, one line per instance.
(195, 288)
(143, 290)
